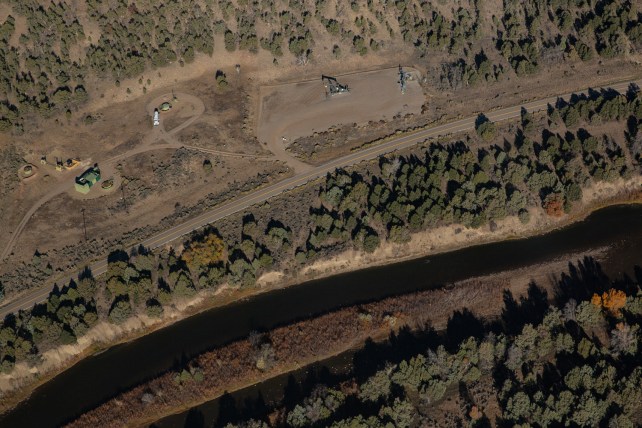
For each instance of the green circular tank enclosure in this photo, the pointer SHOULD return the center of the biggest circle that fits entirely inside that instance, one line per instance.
(165, 106)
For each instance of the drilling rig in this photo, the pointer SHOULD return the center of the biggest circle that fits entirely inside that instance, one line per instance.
(332, 86)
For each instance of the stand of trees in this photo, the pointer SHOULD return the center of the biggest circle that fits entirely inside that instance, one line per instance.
(571, 358)
(45, 67)
(445, 184)
(576, 364)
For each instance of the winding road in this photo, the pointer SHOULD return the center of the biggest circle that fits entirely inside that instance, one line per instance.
(152, 142)
(260, 195)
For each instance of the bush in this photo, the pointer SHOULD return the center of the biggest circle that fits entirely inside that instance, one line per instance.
(120, 310)
(153, 308)
(584, 51)
(524, 216)
(486, 130)
(221, 79)
(230, 41)
(371, 242)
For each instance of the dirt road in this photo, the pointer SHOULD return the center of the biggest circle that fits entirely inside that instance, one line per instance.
(99, 267)
(292, 110)
(157, 139)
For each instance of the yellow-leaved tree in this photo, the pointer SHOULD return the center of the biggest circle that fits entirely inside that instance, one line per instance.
(202, 253)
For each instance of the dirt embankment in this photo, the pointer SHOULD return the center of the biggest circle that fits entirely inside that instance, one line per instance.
(236, 365)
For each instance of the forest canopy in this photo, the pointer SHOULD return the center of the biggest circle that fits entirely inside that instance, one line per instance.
(48, 51)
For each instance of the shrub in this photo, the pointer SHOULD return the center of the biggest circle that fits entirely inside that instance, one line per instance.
(486, 130)
(153, 308)
(221, 79)
(120, 310)
(524, 216)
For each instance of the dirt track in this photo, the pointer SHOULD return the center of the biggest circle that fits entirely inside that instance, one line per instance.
(157, 139)
(99, 267)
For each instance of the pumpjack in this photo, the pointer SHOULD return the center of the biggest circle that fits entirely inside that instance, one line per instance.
(332, 86)
(404, 76)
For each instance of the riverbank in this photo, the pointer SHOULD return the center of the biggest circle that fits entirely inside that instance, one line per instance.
(454, 237)
(430, 242)
(320, 338)
(613, 230)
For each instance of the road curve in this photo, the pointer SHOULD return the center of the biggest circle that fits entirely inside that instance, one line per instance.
(158, 134)
(99, 267)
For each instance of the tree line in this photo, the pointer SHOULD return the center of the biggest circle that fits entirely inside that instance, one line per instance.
(442, 185)
(574, 363)
(45, 68)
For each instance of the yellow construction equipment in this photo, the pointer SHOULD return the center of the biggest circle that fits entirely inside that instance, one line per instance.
(72, 163)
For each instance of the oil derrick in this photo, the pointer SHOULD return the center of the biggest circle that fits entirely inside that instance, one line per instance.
(332, 86)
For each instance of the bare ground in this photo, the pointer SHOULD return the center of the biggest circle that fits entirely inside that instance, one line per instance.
(299, 109)
(157, 179)
(445, 105)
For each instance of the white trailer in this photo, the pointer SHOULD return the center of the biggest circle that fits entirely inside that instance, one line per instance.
(156, 118)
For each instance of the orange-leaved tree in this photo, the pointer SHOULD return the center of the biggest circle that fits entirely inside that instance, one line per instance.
(205, 252)
(612, 300)
(554, 205)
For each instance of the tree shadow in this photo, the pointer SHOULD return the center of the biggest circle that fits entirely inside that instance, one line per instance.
(255, 407)
(529, 310)
(462, 325)
(481, 119)
(119, 255)
(201, 234)
(292, 392)
(194, 419)
(374, 356)
(227, 410)
(632, 91)
(637, 272)
(273, 223)
(581, 282)
(85, 273)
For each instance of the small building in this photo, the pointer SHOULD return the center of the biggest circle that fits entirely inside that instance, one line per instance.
(87, 179)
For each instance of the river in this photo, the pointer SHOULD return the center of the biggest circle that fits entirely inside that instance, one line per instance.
(99, 377)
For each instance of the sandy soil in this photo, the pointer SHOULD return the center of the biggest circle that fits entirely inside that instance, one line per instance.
(442, 106)
(156, 186)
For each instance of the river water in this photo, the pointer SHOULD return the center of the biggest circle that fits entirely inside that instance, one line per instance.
(99, 377)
